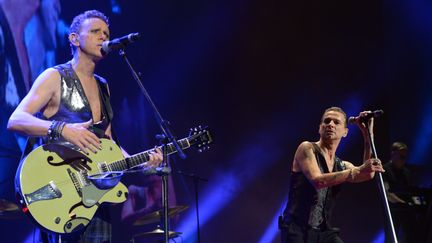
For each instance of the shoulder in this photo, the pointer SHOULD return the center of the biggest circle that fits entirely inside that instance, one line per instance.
(49, 80)
(305, 149)
(305, 146)
(50, 75)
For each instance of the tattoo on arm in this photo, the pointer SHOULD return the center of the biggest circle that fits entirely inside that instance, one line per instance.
(305, 154)
(336, 177)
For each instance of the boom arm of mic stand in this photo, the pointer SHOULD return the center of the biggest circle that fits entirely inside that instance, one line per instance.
(164, 125)
(383, 195)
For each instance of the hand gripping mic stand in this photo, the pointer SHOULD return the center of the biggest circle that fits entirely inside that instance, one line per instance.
(379, 179)
(164, 126)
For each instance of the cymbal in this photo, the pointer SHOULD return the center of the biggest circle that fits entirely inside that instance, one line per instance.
(156, 215)
(5, 205)
(9, 210)
(157, 234)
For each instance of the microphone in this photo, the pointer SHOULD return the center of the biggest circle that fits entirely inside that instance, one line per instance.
(119, 43)
(376, 113)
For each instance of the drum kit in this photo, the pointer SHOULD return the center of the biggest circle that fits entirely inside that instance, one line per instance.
(11, 211)
(157, 235)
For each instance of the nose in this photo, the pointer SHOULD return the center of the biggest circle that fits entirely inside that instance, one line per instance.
(103, 36)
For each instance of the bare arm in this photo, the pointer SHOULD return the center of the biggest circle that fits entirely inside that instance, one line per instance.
(393, 198)
(42, 92)
(366, 131)
(364, 172)
(367, 170)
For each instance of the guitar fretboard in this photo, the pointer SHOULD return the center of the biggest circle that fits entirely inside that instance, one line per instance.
(141, 158)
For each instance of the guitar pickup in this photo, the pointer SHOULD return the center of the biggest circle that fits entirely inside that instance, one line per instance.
(47, 192)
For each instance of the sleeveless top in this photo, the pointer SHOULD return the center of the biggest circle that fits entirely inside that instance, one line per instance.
(74, 106)
(308, 206)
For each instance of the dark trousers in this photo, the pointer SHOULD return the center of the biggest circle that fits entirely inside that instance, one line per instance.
(293, 233)
(97, 231)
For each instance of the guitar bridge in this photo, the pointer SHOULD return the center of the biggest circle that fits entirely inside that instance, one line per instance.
(75, 181)
(47, 192)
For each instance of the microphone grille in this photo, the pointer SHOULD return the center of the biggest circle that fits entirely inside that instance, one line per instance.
(105, 48)
(351, 120)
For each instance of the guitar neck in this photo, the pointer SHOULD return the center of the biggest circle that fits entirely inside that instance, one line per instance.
(141, 158)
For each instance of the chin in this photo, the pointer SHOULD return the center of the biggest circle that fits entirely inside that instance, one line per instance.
(99, 57)
(330, 138)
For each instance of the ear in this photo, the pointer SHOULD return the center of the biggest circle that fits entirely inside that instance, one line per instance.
(73, 39)
(346, 132)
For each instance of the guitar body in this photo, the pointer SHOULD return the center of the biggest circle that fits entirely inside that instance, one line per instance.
(54, 189)
(53, 182)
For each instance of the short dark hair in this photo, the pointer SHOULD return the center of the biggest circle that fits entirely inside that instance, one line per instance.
(79, 19)
(337, 109)
(398, 146)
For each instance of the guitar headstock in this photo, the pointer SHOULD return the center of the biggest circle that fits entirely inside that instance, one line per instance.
(200, 137)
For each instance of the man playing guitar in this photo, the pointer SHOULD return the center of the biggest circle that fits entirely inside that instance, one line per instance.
(67, 99)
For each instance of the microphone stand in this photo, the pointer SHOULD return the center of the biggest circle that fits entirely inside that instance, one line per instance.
(164, 126)
(383, 194)
(196, 180)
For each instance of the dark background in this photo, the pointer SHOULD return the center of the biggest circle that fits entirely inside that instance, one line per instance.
(259, 74)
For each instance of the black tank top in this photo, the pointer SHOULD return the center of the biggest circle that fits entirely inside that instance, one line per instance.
(306, 205)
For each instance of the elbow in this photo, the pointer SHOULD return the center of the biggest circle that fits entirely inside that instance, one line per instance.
(11, 125)
(318, 184)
